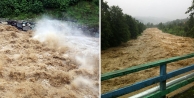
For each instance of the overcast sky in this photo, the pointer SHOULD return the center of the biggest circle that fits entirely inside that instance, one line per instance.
(170, 9)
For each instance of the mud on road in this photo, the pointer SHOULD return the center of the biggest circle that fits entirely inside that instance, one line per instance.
(152, 45)
(31, 69)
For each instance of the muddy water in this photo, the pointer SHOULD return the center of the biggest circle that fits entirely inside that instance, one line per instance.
(38, 65)
(152, 45)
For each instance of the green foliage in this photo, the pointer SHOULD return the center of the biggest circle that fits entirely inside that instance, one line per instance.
(190, 9)
(106, 32)
(161, 26)
(141, 27)
(17, 11)
(83, 11)
(184, 27)
(96, 2)
(116, 27)
(176, 27)
(51, 4)
(132, 26)
(189, 26)
(16, 7)
(119, 27)
(36, 7)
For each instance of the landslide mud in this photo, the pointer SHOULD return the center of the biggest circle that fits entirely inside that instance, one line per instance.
(32, 69)
(152, 45)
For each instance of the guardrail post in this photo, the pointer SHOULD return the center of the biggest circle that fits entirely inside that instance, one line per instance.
(163, 83)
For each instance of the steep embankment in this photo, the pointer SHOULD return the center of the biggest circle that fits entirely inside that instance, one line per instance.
(152, 45)
(31, 69)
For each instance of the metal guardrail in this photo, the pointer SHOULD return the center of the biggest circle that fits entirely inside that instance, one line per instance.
(161, 78)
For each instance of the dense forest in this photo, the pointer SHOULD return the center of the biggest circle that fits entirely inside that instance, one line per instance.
(83, 11)
(181, 27)
(117, 27)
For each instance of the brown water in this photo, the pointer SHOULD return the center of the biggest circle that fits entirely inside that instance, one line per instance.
(30, 68)
(152, 45)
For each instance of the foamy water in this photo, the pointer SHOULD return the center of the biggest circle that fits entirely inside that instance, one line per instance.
(82, 50)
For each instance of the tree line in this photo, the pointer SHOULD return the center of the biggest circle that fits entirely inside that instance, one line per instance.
(176, 27)
(117, 27)
(180, 27)
(81, 11)
(16, 7)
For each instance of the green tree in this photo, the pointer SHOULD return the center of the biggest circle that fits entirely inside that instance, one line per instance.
(141, 27)
(106, 32)
(190, 9)
(119, 27)
(176, 27)
(161, 26)
(190, 32)
(132, 26)
(36, 7)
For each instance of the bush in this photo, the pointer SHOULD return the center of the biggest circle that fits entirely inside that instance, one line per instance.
(36, 7)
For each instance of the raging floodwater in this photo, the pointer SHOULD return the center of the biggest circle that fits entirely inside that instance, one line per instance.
(54, 61)
(151, 46)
